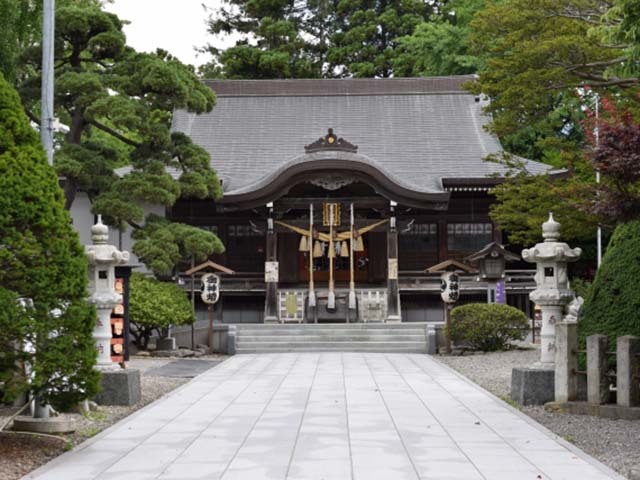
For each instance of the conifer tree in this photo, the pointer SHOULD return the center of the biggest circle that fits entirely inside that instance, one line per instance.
(41, 260)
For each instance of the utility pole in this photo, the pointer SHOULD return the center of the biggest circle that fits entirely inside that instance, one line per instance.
(46, 119)
(597, 138)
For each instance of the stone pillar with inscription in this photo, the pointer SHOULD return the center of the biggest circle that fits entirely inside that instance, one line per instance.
(536, 385)
(271, 272)
(393, 291)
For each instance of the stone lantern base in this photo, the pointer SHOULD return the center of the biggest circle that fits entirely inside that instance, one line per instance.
(533, 386)
(120, 387)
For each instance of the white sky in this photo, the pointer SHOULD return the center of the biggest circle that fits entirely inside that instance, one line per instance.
(173, 25)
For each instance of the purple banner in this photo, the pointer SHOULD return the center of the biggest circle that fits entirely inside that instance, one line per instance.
(501, 293)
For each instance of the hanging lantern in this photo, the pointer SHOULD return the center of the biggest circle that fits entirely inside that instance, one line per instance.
(304, 245)
(359, 246)
(317, 249)
(344, 249)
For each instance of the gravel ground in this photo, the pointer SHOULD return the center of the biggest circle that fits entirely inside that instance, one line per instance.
(616, 443)
(20, 454)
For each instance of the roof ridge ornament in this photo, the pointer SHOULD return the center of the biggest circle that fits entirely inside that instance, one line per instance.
(331, 142)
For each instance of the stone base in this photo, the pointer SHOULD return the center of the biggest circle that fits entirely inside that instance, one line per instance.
(532, 386)
(611, 411)
(121, 387)
(166, 343)
(50, 425)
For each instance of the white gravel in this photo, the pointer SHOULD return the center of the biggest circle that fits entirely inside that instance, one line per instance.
(616, 443)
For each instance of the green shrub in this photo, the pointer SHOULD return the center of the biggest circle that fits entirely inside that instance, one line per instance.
(154, 305)
(612, 305)
(40, 258)
(487, 327)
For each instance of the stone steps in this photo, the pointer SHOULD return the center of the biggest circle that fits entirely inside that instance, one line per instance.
(353, 337)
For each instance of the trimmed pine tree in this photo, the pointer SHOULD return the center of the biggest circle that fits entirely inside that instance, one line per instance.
(612, 306)
(41, 259)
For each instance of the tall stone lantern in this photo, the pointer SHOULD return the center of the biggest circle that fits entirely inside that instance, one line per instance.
(103, 259)
(552, 291)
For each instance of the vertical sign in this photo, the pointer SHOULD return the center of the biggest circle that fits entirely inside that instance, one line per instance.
(501, 293)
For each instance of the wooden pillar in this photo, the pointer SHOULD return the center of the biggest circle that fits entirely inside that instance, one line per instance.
(443, 248)
(393, 291)
(271, 271)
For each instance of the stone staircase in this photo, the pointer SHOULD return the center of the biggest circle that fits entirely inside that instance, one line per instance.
(353, 337)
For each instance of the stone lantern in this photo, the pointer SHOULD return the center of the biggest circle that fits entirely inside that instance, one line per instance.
(492, 263)
(552, 292)
(103, 259)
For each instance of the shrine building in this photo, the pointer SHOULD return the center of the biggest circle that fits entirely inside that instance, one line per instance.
(405, 155)
(340, 194)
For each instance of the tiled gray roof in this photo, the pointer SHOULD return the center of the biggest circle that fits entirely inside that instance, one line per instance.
(418, 131)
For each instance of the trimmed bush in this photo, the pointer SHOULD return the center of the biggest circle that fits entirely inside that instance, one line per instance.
(154, 305)
(612, 305)
(487, 327)
(41, 259)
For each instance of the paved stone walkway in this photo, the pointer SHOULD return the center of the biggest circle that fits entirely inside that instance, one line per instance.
(335, 416)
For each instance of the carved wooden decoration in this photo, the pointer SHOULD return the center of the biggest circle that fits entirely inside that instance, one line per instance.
(331, 142)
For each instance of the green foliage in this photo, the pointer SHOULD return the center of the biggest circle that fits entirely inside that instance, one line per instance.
(524, 202)
(118, 104)
(316, 38)
(162, 244)
(41, 259)
(440, 46)
(487, 327)
(278, 39)
(612, 305)
(18, 24)
(154, 305)
(580, 286)
(434, 48)
(364, 39)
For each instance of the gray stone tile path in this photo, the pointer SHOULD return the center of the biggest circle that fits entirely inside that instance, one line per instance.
(331, 416)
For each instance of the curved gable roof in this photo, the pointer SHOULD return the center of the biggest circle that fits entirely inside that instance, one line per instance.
(420, 131)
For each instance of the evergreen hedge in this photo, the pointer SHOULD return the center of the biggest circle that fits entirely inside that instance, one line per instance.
(612, 305)
(487, 327)
(41, 259)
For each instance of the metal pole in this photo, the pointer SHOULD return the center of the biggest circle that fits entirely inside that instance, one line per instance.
(597, 135)
(46, 119)
(193, 307)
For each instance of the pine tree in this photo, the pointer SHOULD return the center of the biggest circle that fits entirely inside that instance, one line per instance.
(42, 260)
(118, 105)
(365, 35)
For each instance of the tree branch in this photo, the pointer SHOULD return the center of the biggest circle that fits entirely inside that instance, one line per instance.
(31, 116)
(114, 133)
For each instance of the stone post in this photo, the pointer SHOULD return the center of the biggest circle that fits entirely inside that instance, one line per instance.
(552, 291)
(628, 372)
(103, 259)
(597, 380)
(393, 291)
(566, 362)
